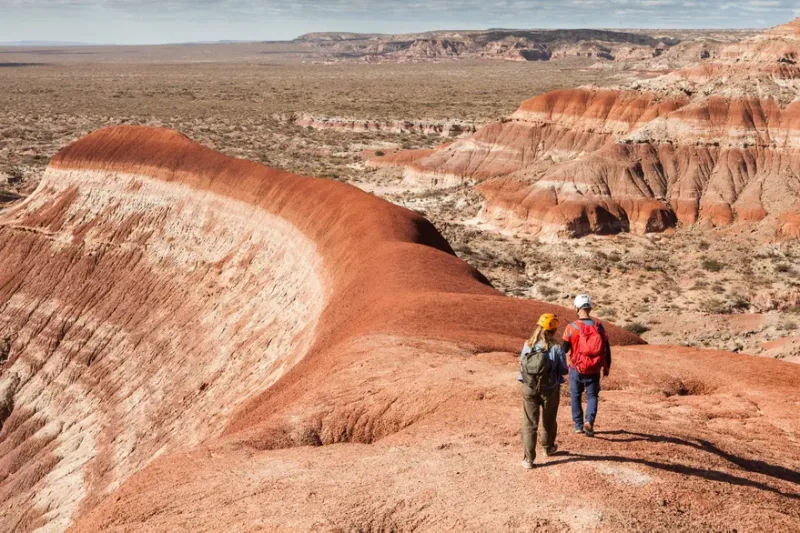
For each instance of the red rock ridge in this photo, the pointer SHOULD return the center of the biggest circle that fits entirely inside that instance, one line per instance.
(160, 295)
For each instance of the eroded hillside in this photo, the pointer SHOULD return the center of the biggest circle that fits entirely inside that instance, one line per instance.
(200, 342)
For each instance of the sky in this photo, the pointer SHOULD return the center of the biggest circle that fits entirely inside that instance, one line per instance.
(170, 21)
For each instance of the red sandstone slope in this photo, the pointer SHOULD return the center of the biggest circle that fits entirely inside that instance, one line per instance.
(717, 144)
(159, 295)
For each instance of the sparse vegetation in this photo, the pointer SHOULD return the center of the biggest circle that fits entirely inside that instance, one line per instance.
(712, 265)
(637, 328)
(547, 292)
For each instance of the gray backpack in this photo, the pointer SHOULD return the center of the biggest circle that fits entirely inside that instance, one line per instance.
(536, 369)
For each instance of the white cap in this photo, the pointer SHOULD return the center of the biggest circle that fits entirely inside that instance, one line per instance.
(583, 301)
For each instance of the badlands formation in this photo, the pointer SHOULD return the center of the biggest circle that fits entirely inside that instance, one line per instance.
(195, 342)
(716, 144)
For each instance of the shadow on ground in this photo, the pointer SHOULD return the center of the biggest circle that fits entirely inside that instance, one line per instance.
(750, 465)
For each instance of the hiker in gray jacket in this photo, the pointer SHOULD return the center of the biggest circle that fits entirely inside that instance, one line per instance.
(542, 365)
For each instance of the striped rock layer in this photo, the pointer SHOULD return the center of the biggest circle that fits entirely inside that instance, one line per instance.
(710, 145)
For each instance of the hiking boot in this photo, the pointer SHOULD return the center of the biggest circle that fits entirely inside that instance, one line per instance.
(578, 429)
(588, 429)
(527, 464)
(551, 450)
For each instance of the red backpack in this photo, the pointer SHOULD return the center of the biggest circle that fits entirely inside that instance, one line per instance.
(588, 353)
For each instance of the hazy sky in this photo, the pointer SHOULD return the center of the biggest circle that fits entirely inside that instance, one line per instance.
(159, 21)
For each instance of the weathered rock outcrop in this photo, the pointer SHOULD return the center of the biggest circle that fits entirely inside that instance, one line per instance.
(443, 128)
(645, 158)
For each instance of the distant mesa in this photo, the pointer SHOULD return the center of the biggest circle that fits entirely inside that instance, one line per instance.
(716, 145)
(513, 45)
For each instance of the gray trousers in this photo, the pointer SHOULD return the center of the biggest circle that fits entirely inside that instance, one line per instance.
(532, 403)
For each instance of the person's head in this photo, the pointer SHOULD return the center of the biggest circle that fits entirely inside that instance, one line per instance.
(545, 331)
(583, 305)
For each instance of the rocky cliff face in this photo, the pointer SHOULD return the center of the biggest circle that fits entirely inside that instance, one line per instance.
(715, 144)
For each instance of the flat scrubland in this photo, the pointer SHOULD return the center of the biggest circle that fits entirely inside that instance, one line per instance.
(711, 289)
(235, 104)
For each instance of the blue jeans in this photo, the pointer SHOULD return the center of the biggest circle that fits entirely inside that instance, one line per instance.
(577, 384)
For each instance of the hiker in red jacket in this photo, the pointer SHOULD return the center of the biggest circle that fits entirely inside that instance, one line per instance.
(589, 353)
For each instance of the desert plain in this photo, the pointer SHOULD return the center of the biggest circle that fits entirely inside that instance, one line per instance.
(195, 337)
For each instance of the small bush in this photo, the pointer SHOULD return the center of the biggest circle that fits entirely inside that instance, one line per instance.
(712, 265)
(704, 245)
(637, 328)
(609, 313)
(380, 153)
(782, 267)
(715, 307)
(740, 304)
(15, 174)
(546, 291)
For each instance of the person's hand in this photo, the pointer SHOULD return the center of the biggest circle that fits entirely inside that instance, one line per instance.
(605, 372)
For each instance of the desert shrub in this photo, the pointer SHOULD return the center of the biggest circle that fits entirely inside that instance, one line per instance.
(740, 304)
(637, 328)
(712, 265)
(380, 153)
(787, 326)
(703, 245)
(608, 313)
(15, 174)
(782, 267)
(614, 257)
(546, 291)
(698, 285)
(714, 306)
